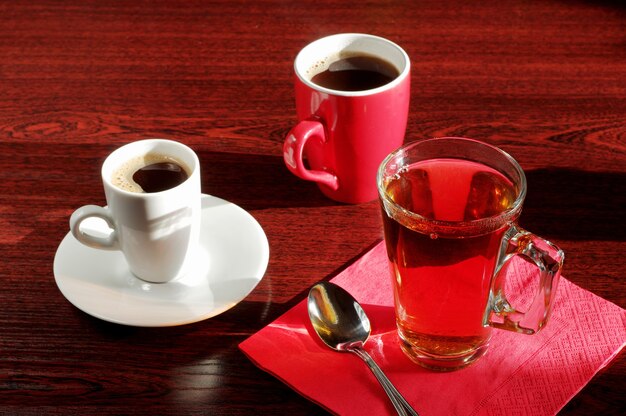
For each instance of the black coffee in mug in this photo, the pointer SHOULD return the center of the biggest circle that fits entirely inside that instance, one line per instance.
(150, 173)
(157, 177)
(356, 73)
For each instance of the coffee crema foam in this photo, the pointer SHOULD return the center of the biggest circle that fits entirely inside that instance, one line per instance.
(123, 175)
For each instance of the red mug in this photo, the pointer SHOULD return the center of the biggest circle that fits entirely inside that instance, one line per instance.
(351, 119)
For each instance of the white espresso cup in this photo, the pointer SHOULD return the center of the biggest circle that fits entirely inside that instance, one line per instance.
(158, 232)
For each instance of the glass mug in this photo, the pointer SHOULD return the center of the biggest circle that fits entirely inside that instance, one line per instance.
(450, 207)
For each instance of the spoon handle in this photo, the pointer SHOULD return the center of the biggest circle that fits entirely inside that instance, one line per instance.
(399, 402)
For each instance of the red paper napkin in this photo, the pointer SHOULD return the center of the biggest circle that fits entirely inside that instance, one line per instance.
(519, 375)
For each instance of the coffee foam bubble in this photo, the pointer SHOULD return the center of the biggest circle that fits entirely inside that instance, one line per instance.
(123, 175)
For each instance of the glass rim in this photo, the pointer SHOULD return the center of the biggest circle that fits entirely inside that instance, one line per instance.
(489, 224)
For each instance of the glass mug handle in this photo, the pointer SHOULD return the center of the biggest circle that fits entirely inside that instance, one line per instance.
(549, 260)
(89, 211)
(293, 152)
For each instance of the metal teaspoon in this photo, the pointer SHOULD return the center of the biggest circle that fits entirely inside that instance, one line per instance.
(342, 324)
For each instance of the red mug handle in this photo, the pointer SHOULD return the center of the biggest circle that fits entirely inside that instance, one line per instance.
(293, 152)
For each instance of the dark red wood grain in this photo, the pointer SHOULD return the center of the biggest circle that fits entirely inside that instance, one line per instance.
(544, 80)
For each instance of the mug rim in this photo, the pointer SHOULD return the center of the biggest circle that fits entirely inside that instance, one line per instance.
(347, 38)
(114, 160)
(453, 228)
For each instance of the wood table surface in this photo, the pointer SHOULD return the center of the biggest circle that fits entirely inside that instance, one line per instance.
(543, 80)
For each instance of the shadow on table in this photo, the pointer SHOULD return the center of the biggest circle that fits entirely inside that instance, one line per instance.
(567, 204)
(613, 4)
(563, 204)
(257, 182)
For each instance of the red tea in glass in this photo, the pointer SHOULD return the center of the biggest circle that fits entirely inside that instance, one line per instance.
(449, 210)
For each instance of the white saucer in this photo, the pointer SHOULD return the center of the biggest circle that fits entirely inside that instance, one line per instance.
(230, 262)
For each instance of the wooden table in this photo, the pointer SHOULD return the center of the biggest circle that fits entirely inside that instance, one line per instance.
(544, 80)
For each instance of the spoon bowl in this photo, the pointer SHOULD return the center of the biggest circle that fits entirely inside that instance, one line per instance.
(337, 317)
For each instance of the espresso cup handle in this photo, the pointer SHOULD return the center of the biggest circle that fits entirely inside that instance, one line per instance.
(293, 152)
(89, 211)
(549, 260)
